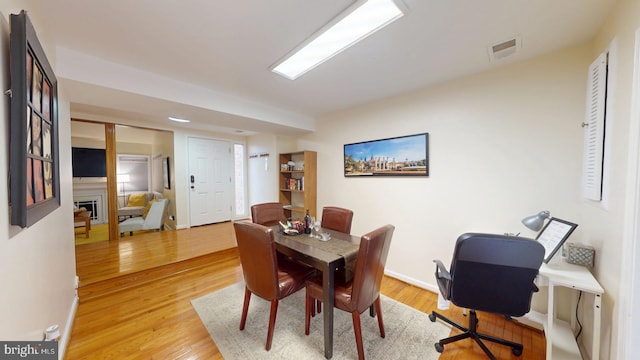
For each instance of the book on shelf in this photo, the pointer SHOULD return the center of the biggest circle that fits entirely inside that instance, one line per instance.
(294, 184)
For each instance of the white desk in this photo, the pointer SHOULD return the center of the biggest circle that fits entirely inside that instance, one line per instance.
(561, 342)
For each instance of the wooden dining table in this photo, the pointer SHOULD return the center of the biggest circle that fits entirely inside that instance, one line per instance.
(326, 256)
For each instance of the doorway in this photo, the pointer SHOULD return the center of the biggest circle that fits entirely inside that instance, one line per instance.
(90, 193)
(211, 174)
(134, 148)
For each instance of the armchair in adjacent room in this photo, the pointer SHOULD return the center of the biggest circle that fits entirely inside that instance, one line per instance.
(491, 273)
(133, 205)
(153, 219)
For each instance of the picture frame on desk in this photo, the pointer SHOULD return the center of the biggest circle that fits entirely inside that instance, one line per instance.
(553, 236)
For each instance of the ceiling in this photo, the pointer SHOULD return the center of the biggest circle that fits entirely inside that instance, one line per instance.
(145, 60)
(124, 134)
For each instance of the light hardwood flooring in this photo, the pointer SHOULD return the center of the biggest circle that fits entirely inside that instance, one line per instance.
(104, 260)
(135, 300)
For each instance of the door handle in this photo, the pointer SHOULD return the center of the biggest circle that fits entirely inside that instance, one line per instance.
(193, 180)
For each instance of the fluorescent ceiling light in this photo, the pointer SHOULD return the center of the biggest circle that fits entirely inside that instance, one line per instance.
(356, 23)
(178, 119)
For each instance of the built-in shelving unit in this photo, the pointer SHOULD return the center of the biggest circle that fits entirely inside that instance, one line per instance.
(298, 183)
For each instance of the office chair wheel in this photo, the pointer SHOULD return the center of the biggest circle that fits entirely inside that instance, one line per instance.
(432, 318)
(439, 347)
(516, 351)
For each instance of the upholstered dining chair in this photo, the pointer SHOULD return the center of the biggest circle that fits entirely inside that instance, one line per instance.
(336, 218)
(267, 214)
(361, 292)
(491, 273)
(265, 274)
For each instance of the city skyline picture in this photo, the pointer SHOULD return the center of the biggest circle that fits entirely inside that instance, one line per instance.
(397, 156)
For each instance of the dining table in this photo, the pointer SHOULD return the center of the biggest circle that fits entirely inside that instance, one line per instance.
(338, 252)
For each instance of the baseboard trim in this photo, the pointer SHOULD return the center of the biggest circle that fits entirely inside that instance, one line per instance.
(412, 281)
(64, 339)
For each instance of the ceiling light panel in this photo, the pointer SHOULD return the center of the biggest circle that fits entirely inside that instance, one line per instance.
(179, 119)
(356, 23)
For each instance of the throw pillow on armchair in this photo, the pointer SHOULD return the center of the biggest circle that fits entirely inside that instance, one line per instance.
(146, 209)
(137, 200)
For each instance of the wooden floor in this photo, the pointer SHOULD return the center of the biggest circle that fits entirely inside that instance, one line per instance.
(132, 309)
(131, 254)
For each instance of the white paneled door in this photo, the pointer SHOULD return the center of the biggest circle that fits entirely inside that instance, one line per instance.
(210, 181)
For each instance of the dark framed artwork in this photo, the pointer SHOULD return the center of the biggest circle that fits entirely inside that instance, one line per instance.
(398, 156)
(34, 168)
(166, 174)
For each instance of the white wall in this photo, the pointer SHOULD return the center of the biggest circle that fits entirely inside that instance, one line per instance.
(609, 227)
(37, 264)
(163, 145)
(503, 145)
(262, 182)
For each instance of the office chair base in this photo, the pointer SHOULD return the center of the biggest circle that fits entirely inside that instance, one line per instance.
(471, 332)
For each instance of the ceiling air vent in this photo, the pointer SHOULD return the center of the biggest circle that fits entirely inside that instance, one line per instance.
(505, 48)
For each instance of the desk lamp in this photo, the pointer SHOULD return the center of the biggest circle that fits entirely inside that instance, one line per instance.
(535, 222)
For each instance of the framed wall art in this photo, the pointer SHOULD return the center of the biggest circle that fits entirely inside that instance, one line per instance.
(398, 156)
(34, 168)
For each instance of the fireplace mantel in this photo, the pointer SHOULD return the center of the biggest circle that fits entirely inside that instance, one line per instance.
(94, 190)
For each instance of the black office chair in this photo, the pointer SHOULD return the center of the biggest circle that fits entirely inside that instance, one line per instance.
(492, 273)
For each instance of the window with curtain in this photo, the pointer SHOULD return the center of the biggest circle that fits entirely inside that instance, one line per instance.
(138, 170)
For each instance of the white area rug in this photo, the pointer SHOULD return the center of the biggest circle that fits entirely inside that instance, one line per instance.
(409, 333)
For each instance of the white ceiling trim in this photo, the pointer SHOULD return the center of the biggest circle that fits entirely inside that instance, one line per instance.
(83, 68)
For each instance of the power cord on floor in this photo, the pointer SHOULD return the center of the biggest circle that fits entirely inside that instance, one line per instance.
(578, 318)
